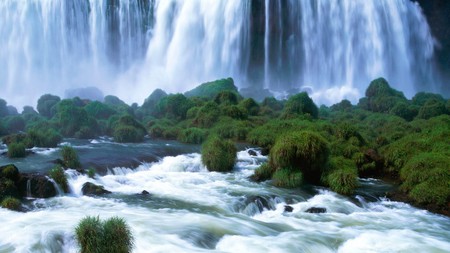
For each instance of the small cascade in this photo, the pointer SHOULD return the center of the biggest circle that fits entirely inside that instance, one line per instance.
(58, 188)
(29, 195)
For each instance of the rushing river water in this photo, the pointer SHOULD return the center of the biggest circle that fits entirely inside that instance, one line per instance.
(192, 210)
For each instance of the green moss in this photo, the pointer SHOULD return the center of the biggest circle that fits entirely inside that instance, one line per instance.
(218, 154)
(16, 150)
(287, 178)
(302, 151)
(57, 174)
(70, 158)
(11, 204)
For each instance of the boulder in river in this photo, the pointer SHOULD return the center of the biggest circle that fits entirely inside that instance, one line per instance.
(36, 186)
(316, 210)
(93, 189)
(288, 209)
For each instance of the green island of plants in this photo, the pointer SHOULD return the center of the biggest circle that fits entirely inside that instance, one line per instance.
(385, 135)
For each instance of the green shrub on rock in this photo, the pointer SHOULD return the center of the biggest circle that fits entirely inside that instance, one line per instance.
(127, 134)
(16, 150)
(57, 174)
(264, 172)
(300, 104)
(218, 154)
(302, 151)
(342, 176)
(287, 178)
(211, 89)
(11, 204)
(70, 157)
(207, 115)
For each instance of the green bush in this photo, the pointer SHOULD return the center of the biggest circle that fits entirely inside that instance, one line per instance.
(264, 172)
(432, 108)
(421, 98)
(91, 172)
(128, 134)
(70, 157)
(287, 178)
(45, 138)
(71, 117)
(302, 151)
(16, 150)
(250, 105)
(46, 105)
(193, 135)
(207, 115)
(300, 104)
(272, 103)
(14, 123)
(11, 204)
(112, 236)
(211, 89)
(57, 174)
(380, 97)
(342, 176)
(235, 112)
(99, 110)
(174, 107)
(226, 97)
(218, 155)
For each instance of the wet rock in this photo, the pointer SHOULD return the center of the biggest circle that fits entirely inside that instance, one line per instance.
(36, 186)
(288, 209)
(316, 210)
(261, 203)
(93, 189)
(144, 192)
(252, 152)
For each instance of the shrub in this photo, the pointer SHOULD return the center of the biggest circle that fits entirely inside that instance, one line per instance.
(91, 172)
(404, 110)
(342, 176)
(99, 110)
(302, 151)
(250, 105)
(126, 134)
(15, 123)
(46, 105)
(16, 150)
(381, 97)
(207, 115)
(421, 98)
(300, 104)
(45, 138)
(432, 108)
(218, 155)
(226, 97)
(57, 174)
(211, 89)
(71, 117)
(174, 107)
(95, 236)
(11, 204)
(272, 103)
(70, 157)
(3, 108)
(235, 112)
(287, 178)
(193, 135)
(117, 236)
(264, 172)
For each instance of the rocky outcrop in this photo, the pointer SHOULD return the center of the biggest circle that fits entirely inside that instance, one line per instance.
(316, 210)
(93, 189)
(36, 186)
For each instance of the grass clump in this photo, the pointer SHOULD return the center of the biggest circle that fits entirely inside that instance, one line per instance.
(57, 174)
(303, 151)
(264, 172)
(218, 154)
(96, 236)
(342, 176)
(70, 158)
(193, 135)
(287, 178)
(11, 204)
(16, 150)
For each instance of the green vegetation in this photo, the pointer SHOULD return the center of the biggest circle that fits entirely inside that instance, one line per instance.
(95, 236)
(70, 158)
(11, 204)
(57, 174)
(218, 154)
(16, 150)
(385, 135)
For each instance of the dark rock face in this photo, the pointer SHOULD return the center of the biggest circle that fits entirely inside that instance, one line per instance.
(252, 152)
(36, 186)
(316, 210)
(93, 189)
(144, 192)
(288, 209)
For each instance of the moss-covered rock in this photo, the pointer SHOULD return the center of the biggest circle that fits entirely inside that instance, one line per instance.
(218, 154)
(93, 189)
(11, 204)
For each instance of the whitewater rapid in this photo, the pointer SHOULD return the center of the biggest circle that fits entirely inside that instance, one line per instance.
(192, 210)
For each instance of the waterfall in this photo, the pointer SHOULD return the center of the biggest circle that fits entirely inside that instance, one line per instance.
(332, 48)
(29, 189)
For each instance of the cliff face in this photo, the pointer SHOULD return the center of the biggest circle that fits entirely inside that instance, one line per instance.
(438, 16)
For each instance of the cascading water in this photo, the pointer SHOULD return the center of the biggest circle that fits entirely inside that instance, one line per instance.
(128, 48)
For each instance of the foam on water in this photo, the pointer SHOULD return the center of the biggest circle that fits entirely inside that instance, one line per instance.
(192, 210)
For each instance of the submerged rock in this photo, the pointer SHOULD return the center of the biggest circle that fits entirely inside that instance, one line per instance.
(316, 210)
(144, 192)
(93, 189)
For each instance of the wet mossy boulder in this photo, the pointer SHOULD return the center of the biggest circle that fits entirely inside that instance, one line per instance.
(211, 89)
(303, 151)
(93, 189)
(218, 154)
(36, 186)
